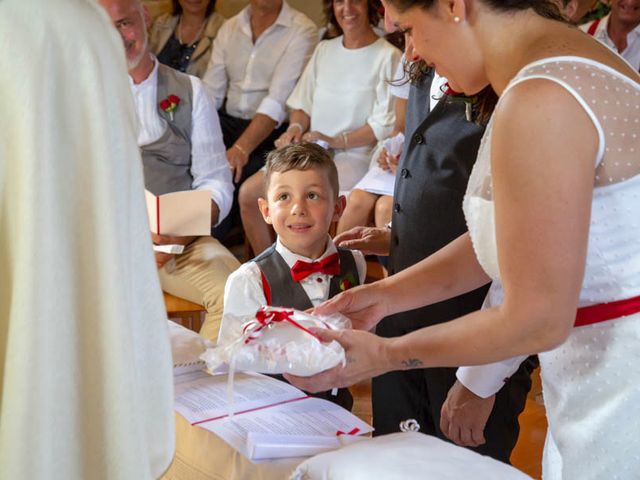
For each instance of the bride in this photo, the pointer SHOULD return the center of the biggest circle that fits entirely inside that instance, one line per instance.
(552, 208)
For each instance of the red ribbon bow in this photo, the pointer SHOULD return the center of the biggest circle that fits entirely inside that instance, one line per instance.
(329, 265)
(265, 317)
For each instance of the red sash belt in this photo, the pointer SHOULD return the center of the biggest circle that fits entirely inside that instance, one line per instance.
(607, 311)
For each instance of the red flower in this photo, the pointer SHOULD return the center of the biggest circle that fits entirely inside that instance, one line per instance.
(174, 99)
(165, 104)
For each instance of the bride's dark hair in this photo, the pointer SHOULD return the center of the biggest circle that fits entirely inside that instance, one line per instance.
(544, 8)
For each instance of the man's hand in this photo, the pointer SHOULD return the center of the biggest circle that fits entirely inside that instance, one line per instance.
(237, 160)
(162, 258)
(369, 240)
(464, 415)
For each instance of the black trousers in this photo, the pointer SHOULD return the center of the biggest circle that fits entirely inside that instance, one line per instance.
(233, 127)
(420, 394)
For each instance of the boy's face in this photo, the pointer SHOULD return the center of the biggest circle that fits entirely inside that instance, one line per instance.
(301, 205)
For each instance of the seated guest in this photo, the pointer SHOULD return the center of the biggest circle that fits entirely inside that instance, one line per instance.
(182, 150)
(371, 203)
(256, 60)
(183, 38)
(302, 200)
(619, 30)
(342, 99)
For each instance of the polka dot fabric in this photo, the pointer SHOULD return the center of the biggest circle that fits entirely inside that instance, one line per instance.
(591, 382)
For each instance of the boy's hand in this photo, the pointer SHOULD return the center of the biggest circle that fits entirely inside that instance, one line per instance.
(369, 240)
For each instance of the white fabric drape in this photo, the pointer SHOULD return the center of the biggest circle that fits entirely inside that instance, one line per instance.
(85, 366)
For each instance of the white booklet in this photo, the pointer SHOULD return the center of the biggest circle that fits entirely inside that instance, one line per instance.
(186, 348)
(271, 419)
(378, 181)
(180, 214)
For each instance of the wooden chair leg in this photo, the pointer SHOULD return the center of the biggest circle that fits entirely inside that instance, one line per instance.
(184, 312)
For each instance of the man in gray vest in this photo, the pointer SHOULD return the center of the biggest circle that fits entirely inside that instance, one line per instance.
(181, 143)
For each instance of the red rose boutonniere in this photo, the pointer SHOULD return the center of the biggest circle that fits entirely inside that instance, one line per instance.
(170, 104)
(469, 101)
(346, 282)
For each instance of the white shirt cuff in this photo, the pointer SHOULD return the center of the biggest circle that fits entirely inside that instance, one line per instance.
(272, 109)
(487, 380)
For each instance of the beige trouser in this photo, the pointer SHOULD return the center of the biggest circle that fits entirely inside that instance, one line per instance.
(199, 275)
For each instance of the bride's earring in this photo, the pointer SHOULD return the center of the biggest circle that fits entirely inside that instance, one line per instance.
(456, 19)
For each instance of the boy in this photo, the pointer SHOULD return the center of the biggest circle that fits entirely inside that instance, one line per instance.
(303, 268)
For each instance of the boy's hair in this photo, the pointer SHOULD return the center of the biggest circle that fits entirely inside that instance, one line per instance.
(301, 156)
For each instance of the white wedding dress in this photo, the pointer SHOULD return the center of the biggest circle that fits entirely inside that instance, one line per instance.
(591, 382)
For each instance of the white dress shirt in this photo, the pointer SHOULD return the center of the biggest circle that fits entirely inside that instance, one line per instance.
(486, 380)
(209, 167)
(259, 77)
(243, 294)
(436, 93)
(631, 54)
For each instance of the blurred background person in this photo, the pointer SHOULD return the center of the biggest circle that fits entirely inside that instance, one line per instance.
(183, 38)
(619, 30)
(257, 58)
(342, 100)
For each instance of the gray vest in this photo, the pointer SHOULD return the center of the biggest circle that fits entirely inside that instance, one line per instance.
(285, 292)
(167, 161)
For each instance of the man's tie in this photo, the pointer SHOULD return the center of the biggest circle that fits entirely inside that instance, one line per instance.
(329, 265)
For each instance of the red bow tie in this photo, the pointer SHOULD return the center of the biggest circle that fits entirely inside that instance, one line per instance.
(329, 265)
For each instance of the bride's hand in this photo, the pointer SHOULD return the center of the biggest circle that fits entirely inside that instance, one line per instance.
(364, 306)
(366, 357)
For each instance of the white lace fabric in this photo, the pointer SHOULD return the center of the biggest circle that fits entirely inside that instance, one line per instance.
(591, 381)
(612, 101)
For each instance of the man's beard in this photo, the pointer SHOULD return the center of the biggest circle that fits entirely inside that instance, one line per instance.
(133, 63)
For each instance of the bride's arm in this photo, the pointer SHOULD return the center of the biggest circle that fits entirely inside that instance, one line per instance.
(451, 271)
(543, 155)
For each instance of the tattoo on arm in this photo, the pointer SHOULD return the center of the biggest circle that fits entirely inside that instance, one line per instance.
(411, 363)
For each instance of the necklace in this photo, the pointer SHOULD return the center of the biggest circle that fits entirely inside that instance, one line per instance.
(196, 38)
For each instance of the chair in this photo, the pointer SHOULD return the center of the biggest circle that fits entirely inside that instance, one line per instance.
(184, 312)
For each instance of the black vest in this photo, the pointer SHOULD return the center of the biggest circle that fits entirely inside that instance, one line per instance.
(285, 292)
(430, 185)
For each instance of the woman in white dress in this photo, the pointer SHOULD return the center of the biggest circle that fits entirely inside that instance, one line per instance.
(552, 208)
(342, 99)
